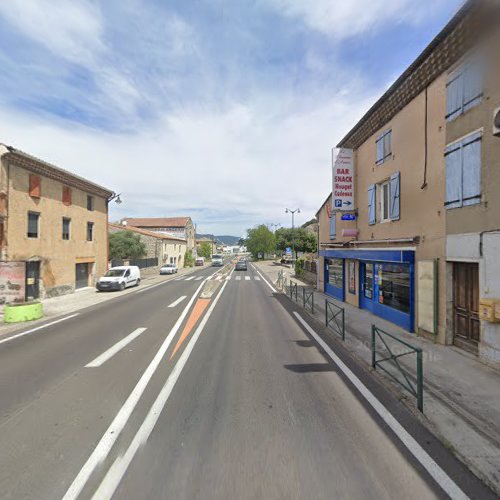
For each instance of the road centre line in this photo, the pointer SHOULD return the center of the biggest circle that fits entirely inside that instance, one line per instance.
(32, 330)
(189, 278)
(267, 282)
(427, 462)
(178, 301)
(108, 439)
(116, 472)
(198, 278)
(100, 360)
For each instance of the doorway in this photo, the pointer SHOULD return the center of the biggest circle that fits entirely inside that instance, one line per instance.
(32, 280)
(466, 324)
(82, 275)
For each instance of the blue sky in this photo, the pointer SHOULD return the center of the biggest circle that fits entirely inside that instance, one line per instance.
(222, 110)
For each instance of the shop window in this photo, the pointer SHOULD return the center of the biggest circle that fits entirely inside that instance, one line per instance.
(394, 286)
(368, 291)
(336, 272)
(384, 147)
(33, 223)
(35, 189)
(66, 222)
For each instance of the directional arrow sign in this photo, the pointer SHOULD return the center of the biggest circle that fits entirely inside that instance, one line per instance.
(343, 180)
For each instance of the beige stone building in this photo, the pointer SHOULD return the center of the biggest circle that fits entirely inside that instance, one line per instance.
(421, 249)
(160, 248)
(53, 228)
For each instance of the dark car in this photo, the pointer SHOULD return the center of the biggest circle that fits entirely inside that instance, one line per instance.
(241, 265)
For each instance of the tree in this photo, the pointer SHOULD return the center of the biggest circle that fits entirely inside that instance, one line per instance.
(126, 245)
(260, 240)
(305, 241)
(188, 259)
(309, 222)
(205, 250)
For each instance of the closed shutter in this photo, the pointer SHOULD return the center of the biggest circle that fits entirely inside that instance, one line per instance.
(473, 85)
(35, 186)
(380, 149)
(66, 195)
(453, 157)
(333, 226)
(454, 96)
(471, 164)
(372, 219)
(395, 196)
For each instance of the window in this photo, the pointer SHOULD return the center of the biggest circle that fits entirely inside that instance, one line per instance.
(463, 172)
(66, 195)
(333, 224)
(90, 202)
(384, 147)
(384, 201)
(33, 219)
(336, 272)
(394, 286)
(35, 190)
(66, 222)
(389, 194)
(464, 89)
(90, 231)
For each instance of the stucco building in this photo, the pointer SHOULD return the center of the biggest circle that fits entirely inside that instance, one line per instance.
(421, 249)
(53, 228)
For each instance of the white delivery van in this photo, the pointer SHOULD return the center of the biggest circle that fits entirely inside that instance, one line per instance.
(217, 260)
(119, 278)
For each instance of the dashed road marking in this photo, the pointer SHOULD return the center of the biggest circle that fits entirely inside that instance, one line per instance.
(190, 278)
(178, 301)
(247, 278)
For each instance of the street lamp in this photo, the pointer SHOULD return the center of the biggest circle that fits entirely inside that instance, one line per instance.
(274, 225)
(288, 211)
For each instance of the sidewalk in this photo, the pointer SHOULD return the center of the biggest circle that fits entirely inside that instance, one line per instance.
(71, 302)
(461, 395)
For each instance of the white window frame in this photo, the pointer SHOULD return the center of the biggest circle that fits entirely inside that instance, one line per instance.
(384, 199)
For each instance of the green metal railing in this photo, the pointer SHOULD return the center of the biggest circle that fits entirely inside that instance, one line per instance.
(293, 290)
(417, 389)
(335, 318)
(308, 298)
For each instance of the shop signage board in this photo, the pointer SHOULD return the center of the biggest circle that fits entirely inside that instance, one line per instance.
(12, 282)
(348, 217)
(343, 181)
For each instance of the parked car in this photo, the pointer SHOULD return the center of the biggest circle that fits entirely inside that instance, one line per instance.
(241, 265)
(169, 269)
(200, 261)
(119, 278)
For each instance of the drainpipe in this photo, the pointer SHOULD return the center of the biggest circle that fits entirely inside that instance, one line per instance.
(424, 184)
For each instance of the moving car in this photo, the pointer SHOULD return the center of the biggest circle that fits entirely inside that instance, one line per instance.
(200, 261)
(217, 260)
(168, 269)
(119, 278)
(241, 265)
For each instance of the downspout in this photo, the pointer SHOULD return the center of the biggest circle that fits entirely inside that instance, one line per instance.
(424, 184)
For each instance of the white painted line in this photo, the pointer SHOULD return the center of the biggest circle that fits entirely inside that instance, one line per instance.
(114, 430)
(256, 278)
(238, 278)
(115, 474)
(247, 278)
(198, 278)
(267, 282)
(228, 278)
(218, 278)
(100, 360)
(145, 289)
(178, 301)
(190, 278)
(436, 472)
(32, 330)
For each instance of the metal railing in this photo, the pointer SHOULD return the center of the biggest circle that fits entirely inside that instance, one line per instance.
(293, 290)
(281, 279)
(335, 318)
(416, 389)
(308, 298)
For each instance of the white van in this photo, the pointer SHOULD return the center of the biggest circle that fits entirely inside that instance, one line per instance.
(217, 260)
(119, 278)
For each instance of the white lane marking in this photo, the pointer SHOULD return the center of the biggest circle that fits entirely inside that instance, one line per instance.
(198, 278)
(100, 360)
(151, 286)
(247, 278)
(190, 278)
(113, 431)
(228, 278)
(256, 278)
(218, 278)
(267, 282)
(180, 278)
(238, 278)
(437, 473)
(32, 330)
(178, 301)
(117, 470)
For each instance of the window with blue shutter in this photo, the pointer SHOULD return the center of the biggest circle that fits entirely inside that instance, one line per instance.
(395, 196)
(464, 89)
(384, 147)
(463, 172)
(372, 218)
(333, 226)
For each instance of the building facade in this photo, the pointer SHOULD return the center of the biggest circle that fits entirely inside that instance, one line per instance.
(53, 228)
(181, 227)
(420, 250)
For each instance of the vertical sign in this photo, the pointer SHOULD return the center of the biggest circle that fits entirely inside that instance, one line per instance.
(343, 181)
(12, 282)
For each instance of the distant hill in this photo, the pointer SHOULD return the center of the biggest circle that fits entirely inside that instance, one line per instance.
(225, 239)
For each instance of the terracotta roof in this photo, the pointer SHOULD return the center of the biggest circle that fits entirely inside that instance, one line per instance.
(138, 230)
(158, 221)
(49, 170)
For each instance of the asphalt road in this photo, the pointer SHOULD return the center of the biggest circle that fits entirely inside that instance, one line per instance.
(221, 395)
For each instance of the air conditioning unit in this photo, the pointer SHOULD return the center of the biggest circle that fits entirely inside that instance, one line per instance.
(496, 122)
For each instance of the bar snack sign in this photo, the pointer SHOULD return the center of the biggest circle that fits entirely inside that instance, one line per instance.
(343, 181)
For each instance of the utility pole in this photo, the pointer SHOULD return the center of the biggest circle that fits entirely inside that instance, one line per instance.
(288, 211)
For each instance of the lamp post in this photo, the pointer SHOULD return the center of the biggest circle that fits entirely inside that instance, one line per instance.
(274, 225)
(293, 212)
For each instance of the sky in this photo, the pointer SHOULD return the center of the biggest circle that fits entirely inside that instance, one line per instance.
(223, 110)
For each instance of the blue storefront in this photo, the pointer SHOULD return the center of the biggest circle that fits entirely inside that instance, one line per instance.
(386, 281)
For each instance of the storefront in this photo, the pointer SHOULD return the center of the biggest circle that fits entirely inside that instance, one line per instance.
(386, 279)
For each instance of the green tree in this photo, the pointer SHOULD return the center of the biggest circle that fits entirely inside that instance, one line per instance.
(188, 259)
(205, 250)
(126, 245)
(305, 241)
(260, 239)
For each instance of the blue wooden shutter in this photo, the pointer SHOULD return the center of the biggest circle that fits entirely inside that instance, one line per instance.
(454, 96)
(395, 196)
(453, 157)
(380, 149)
(473, 85)
(333, 226)
(471, 169)
(372, 219)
